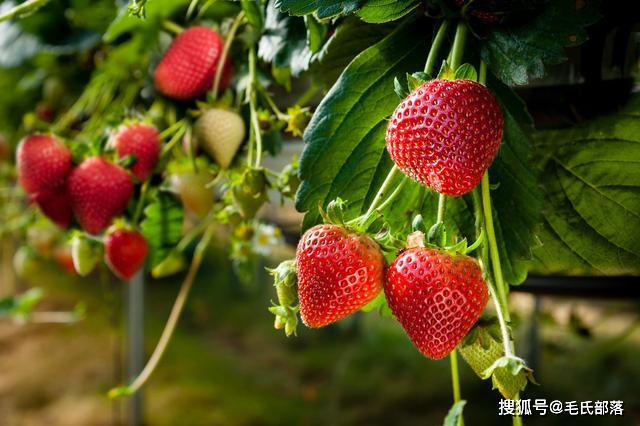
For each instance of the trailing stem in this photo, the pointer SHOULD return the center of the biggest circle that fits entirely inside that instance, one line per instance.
(255, 125)
(174, 316)
(225, 52)
(432, 59)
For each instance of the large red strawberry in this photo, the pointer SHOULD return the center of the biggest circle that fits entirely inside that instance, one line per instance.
(99, 191)
(125, 252)
(55, 204)
(188, 67)
(338, 273)
(43, 162)
(445, 134)
(437, 297)
(141, 141)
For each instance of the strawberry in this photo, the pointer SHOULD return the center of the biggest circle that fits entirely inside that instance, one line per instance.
(84, 254)
(220, 133)
(62, 256)
(142, 142)
(55, 204)
(188, 67)
(338, 273)
(445, 134)
(437, 297)
(99, 191)
(125, 252)
(192, 189)
(43, 162)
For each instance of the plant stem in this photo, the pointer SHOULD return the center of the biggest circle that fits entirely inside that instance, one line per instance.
(383, 190)
(307, 95)
(455, 381)
(482, 76)
(167, 333)
(172, 27)
(493, 244)
(225, 52)
(392, 197)
(430, 65)
(140, 205)
(458, 45)
(255, 125)
(23, 9)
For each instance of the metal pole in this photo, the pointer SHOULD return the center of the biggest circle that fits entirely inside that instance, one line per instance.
(135, 342)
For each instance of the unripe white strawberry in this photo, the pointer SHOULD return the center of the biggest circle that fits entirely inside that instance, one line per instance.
(220, 133)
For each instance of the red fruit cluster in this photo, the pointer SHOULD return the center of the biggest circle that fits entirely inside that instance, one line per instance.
(125, 252)
(446, 134)
(338, 273)
(436, 297)
(189, 65)
(142, 142)
(99, 191)
(43, 163)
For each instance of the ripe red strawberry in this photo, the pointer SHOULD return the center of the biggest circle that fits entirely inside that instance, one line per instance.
(43, 162)
(436, 297)
(99, 191)
(445, 134)
(189, 65)
(125, 252)
(142, 141)
(56, 205)
(338, 273)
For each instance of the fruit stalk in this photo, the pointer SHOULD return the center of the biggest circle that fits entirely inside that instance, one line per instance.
(430, 65)
(382, 191)
(23, 9)
(458, 45)
(176, 311)
(225, 51)
(255, 125)
(455, 381)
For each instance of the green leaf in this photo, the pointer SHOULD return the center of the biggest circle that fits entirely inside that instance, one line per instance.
(592, 210)
(517, 54)
(156, 13)
(454, 414)
(380, 11)
(20, 306)
(322, 8)
(316, 33)
(254, 13)
(345, 138)
(518, 199)
(162, 226)
(466, 72)
(350, 38)
(284, 42)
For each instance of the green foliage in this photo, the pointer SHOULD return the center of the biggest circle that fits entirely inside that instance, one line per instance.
(284, 42)
(380, 11)
(345, 138)
(592, 181)
(350, 38)
(322, 8)
(20, 306)
(162, 226)
(154, 16)
(517, 54)
(454, 414)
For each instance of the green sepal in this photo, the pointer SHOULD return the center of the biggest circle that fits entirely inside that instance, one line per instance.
(466, 72)
(446, 72)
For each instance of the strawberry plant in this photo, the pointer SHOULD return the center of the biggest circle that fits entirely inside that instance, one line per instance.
(426, 191)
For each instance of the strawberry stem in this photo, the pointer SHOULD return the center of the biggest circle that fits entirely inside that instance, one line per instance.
(172, 27)
(23, 9)
(176, 311)
(383, 190)
(225, 52)
(430, 65)
(458, 45)
(455, 381)
(255, 125)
